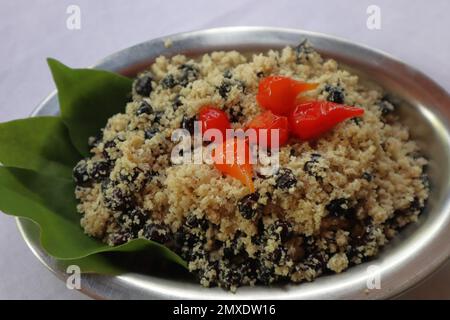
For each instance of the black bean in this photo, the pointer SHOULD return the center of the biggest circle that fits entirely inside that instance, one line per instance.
(309, 244)
(134, 219)
(188, 124)
(168, 82)
(129, 176)
(229, 277)
(261, 226)
(235, 113)
(80, 174)
(227, 74)
(217, 245)
(228, 252)
(285, 179)
(143, 85)
(189, 73)
(249, 268)
(295, 248)
(249, 207)
(292, 153)
(241, 84)
(224, 89)
(303, 50)
(106, 184)
(180, 238)
(132, 180)
(415, 206)
(150, 133)
(121, 201)
(193, 221)
(386, 106)
(272, 233)
(258, 238)
(157, 116)
(315, 156)
(121, 238)
(357, 233)
(281, 229)
(357, 121)
(108, 145)
(116, 198)
(310, 168)
(367, 176)
(157, 232)
(239, 258)
(335, 93)
(235, 251)
(151, 174)
(354, 254)
(260, 74)
(235, 242)
(185, 241)
(208, 272)
(177, 102)
(144, 108)
(192, 239)
(340, 208)
(265, 275)
(316, 261)
(100, 170)
(197, 254)
(278, 254)
(187, 67)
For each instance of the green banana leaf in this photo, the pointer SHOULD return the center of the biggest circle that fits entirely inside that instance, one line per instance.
(37, 156)
(87, 98)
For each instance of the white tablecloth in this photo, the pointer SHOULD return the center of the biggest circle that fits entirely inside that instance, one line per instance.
(416, 31)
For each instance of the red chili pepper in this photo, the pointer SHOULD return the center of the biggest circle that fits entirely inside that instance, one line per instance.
(309, 120)
(279, 94)
(214, 118)
(240, 168)
(267, 120)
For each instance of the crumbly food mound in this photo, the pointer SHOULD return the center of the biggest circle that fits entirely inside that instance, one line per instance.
(333, 203)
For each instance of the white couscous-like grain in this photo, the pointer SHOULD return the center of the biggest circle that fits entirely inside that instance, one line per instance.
(350, 191)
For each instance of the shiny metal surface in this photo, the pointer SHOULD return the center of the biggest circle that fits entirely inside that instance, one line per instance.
(418, 251)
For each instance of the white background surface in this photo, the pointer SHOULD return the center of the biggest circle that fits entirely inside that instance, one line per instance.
(416, 31)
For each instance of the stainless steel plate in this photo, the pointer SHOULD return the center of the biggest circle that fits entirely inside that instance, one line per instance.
(411, 257)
